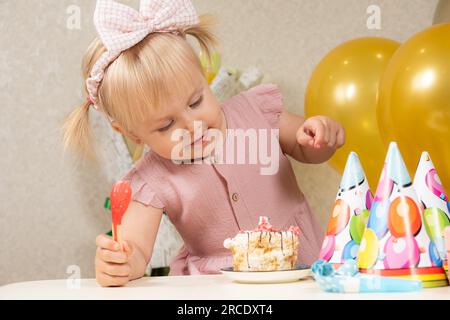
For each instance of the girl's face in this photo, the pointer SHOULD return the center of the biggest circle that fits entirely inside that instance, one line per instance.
(193, 114)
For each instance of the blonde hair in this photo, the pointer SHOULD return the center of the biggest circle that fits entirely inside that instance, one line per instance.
(138, 81)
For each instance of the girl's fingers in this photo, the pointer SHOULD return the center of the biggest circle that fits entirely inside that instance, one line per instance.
(113, 269)
(304, 139)
(340, 138)
(106, 280)
(320, 133)
(112, 256)
(332, 140)
(128, 249)
(105, 242)
(327, 135)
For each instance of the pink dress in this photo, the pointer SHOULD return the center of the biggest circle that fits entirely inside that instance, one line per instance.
(208, 203)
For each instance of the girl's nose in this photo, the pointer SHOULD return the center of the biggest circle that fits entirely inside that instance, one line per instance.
(192, 124)
(195, 128)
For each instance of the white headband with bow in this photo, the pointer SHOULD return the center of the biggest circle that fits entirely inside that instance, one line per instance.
(121, 27)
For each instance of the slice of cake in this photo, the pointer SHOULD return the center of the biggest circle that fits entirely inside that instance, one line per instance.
(264, 249)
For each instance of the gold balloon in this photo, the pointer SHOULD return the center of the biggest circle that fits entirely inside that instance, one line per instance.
(414, 107)
(344, 86)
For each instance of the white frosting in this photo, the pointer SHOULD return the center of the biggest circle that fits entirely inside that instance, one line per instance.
(241, 239)
(228, 243)
(279, 252)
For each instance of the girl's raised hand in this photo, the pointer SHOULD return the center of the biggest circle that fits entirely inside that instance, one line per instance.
(321, 132)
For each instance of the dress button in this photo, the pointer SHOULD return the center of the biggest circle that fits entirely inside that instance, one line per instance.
(235, 197)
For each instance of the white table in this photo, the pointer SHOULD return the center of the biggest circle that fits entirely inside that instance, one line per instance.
(210, 287)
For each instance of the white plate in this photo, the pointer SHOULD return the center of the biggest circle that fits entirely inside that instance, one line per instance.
(300, 272)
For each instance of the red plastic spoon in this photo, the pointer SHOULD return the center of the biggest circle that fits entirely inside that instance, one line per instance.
(120, 199)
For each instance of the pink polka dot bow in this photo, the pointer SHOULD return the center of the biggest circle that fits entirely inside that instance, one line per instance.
(121, 27)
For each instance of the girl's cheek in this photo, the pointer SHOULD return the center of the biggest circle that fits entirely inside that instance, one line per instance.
(168, 147)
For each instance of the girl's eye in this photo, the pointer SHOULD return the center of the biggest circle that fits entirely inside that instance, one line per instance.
(167, 127)
(196, 103)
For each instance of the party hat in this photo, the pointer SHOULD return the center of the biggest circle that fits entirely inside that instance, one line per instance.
(436, 216)
(349, 215)
(395, 242)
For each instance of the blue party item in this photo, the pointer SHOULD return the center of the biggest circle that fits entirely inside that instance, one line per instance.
(322, 268)
(347, 279)
(349, 268)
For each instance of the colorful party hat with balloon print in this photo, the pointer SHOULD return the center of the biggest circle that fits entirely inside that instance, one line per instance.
(395, 242)
(436, 215)
(349, 215)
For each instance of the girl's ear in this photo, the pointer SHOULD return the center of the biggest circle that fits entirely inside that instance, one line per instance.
(117, 127)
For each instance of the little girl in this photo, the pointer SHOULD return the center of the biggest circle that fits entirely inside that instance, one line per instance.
(147, 79)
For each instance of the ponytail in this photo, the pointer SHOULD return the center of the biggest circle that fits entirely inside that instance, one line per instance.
(203, 34)
(77, 133)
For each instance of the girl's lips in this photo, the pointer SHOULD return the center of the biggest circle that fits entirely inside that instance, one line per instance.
(202, 138)
(198, 140)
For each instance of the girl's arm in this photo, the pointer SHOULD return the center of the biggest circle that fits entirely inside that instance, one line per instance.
(312, 140)
(140, 226)
(114, 267)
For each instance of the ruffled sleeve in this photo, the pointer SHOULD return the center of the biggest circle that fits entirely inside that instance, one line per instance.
(268, 99)
(143, 192)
